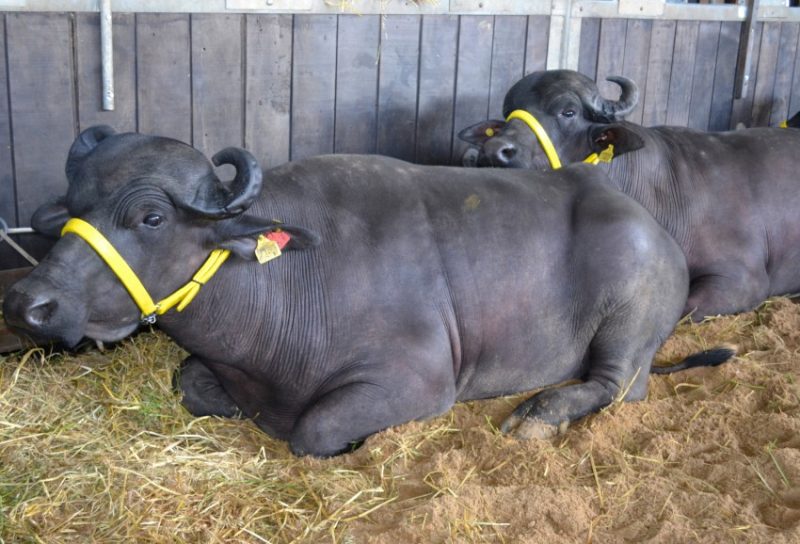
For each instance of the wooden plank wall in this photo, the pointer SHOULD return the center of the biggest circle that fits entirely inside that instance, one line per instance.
(288, 87)
(686, 70)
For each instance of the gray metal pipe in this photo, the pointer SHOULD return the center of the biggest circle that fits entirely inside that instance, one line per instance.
(107, 54)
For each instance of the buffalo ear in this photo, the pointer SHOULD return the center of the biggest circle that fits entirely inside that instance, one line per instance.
(478, 133)
(621, 137)
(240, 235)
(50, 218)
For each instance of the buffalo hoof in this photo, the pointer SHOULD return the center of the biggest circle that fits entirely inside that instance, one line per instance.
(529, 429)
(203, 394)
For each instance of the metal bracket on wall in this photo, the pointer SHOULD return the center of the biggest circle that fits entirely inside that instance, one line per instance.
(5, 231)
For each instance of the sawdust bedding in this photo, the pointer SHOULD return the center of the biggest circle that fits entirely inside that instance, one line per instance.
(96, 447)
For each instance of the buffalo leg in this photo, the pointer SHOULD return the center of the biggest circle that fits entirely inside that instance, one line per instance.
(620, 356)
(733, 290)
(203, 394)
(340, 420)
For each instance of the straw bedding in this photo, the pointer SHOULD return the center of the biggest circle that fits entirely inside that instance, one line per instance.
(96, 447)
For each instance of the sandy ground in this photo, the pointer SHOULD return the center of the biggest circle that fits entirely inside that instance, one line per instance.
(97, 448)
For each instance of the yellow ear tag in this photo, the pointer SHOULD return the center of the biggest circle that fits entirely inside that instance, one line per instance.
(489, 132)
(607, 154)
(267, 249)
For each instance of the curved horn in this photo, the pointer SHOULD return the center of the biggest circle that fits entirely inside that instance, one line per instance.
(221, 203)
(627, 100)
(608, 111)
(85, 144)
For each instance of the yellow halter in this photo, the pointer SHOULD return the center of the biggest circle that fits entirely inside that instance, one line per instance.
(547, 145)
(182, 297)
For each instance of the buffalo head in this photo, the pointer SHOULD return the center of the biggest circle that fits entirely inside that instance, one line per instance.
(568, 105)
(161, 206)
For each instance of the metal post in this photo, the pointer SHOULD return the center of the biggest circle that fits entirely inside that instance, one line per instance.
(745, 58)
(107, 54)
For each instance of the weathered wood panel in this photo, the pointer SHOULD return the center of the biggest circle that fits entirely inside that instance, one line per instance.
(397, 86)
(8, 197)
(656, 93)
(508, 59)
(437, 81)
(611, 55)
(313, 85)
(474, 70)
(267, 132)
(680, 82)
(724, 73)
(703, 77)
(765, 76)
(217, 90)
(742, 110)
(357, 84)
(163, 75)
(782, 91)
(637, 49)
(42, 97)
(291, 86)
(536, 43)
(590, 40)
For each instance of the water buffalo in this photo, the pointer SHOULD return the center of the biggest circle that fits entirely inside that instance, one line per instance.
(730, 199)
(401, 288)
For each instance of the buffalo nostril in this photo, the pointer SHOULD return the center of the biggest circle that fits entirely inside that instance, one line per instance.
(508, 152)
(40, 312)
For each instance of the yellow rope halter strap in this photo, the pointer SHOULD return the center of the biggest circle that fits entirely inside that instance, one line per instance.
(180, 298)
(547, 145)
(541, 135)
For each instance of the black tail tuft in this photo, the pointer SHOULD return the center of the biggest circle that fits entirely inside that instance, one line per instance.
(710, 357)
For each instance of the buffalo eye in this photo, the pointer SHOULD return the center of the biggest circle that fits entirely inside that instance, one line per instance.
(153, 220)
(568, 113)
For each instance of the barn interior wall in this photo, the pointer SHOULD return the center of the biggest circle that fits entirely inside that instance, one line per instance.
(292, 86)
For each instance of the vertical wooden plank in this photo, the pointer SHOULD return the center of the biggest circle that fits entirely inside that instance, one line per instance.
(40, 72)
(703, 77)
(765, 75)
(313, 85)
(742, 111)
(397, 86)
(590, 42)
(217, 86)
(680, 82)
(784, 70)
(357, 84)
(610, 55)
(474, 70)
(508, 59)
(536, 43)
(794, 100)
(268, 88)
(724, 72)
(8, 197)
(163, 69)
(656, 92)
(637, 48)
(437, 80)
(90, 83)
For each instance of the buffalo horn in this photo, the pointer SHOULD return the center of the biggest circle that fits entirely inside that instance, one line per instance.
(614, 110)
(244, 189)
(83, 145)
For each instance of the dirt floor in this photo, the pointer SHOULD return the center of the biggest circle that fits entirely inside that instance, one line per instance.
(96, 447)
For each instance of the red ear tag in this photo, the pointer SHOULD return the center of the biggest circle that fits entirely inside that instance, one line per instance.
(279, 237)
